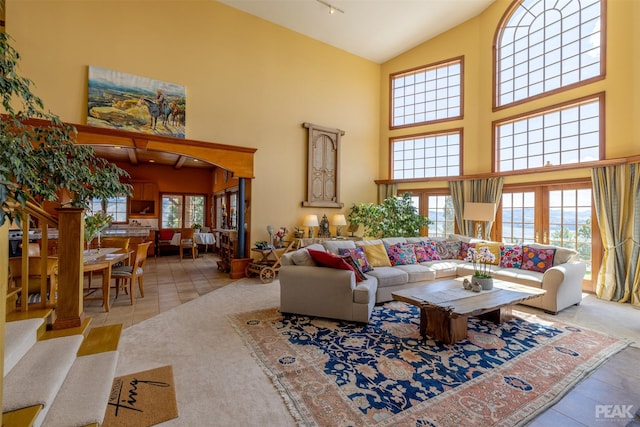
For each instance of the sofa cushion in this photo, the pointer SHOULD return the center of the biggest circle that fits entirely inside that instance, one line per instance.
(389, 276)
(561, 256)
(426, 251)
(362, 292)
(390, 241)
(377, 255)
(448, 249)
(535, 259)
(327, 259)
(301, 256)
(444, 268)
(466, 269)
(334, 246)
(358, 256)
(417, 272)
(356, 269)
(523, 277)
(510, 256)
(401, 254)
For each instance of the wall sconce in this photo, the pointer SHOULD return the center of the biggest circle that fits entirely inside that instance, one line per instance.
(479, 213)
(310, 221)
(338, 220)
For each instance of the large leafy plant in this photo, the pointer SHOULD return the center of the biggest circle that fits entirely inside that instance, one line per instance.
(394, 217)
(39, 160)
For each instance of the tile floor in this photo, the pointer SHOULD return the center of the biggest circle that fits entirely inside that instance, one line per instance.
(167, 284)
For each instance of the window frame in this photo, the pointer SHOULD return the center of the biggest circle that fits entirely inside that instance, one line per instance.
(600, 97)
(103, 207)
(425, 68)
(496, 51)
(444, 132)
(182, 220)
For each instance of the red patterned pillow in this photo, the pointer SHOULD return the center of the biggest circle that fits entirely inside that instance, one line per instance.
(537, 259)
(426, 251)
(510, 256)
(401, 254)
(327, 259)
(358, 256)
(359, 275)
(464, 249)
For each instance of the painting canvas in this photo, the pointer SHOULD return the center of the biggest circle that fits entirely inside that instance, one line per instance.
(128, 102)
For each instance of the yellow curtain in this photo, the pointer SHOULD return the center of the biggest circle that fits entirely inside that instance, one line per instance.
(386, 190)
(616, 192)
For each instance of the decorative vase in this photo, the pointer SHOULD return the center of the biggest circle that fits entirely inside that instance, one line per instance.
(485, 282)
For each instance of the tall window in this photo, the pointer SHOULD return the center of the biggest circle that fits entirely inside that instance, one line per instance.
(114, 206)
(181, 210)
(427, 156)
(442, 214)
(547, 45)
(427, 94)
(561, 136)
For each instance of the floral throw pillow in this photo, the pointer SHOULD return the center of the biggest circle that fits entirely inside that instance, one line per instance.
(537, 259)
(464, 249)
(448, 249)
(426, 251)
(401, 254)
(356, 269)
(510, 256)
(358, 256)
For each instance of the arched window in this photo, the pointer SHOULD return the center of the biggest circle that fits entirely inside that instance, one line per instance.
(544, 46)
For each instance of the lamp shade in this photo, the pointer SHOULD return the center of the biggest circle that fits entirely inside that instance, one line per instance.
(310, 221)
(339, 220)
(479, 211)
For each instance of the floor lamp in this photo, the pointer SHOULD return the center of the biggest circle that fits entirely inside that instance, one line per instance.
(479, 213)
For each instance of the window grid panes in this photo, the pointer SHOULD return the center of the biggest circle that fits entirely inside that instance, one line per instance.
(427, 156)
(194, 210)
(560, 137)
(570, 222)
(114, 206)
(181, 210)
(518, 217)
(428, 94)
(547, 45)
(441, 213)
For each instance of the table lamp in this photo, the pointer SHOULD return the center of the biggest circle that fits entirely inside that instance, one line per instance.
(479, 213)
(338, 220)
(310, 221)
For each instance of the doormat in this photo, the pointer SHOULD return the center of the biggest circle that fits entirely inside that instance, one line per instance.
(142, 399)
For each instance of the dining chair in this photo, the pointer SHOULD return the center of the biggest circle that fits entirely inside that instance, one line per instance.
(111, 242)
(127, 275)
(188, 241)
(34, 280)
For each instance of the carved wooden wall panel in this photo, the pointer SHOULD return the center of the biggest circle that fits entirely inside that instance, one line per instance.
(323, 166)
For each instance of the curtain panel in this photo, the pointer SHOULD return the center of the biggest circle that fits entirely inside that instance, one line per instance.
(616, 193)
(488, 190)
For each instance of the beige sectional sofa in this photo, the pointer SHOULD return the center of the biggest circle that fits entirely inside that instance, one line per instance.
(309, 289)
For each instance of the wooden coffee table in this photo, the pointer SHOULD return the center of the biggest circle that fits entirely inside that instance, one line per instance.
(445, 305)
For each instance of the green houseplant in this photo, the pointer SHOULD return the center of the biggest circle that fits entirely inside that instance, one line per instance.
(394, 217)
(38, 157)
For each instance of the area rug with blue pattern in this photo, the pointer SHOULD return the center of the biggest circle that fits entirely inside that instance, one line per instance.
(338, 373)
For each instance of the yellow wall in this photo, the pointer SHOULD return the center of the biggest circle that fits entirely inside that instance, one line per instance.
(474, 39)
(249, 83)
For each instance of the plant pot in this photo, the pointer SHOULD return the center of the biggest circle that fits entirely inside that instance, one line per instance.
(485, 282)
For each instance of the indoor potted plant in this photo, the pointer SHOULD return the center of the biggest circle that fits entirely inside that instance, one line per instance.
(481, 259)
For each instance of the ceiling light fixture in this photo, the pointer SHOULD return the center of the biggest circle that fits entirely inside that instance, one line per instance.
(332, 8)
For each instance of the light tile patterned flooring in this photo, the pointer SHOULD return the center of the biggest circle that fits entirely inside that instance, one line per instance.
(167, 284)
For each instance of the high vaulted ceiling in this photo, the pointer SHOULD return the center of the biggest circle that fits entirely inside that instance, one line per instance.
(377, 30)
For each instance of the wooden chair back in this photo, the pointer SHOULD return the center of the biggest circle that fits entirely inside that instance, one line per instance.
(115, 242)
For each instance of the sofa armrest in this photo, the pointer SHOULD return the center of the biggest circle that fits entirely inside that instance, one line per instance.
(329, 280)
(563, 284)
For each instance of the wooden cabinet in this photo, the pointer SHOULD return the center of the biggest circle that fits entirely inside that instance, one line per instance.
(144, 199)
(227, 246)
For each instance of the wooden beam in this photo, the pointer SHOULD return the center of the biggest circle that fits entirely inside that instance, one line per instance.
(180, 162)
(133, 158)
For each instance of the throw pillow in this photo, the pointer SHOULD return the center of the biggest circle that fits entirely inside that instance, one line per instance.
(426, 251)
(464, 250)
(510, 256)
(494, 248)
(377, 255)
(448, 249)
(359, 274)
(537, 259)
(401, 254)
(302, 257)
(327, 259)
(359, 257)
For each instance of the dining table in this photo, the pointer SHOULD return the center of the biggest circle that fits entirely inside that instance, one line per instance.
(205, 239)
(102, 260)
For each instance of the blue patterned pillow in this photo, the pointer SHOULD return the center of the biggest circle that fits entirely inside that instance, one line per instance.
(426, 251)
(401, 254)
(510, 256)
(537, 259)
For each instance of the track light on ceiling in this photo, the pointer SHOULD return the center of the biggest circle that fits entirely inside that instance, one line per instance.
(332, 8)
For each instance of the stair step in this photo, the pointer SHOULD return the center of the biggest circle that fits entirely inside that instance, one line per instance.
(38, 376)
(100, 339)
(20, 336)
(58, 333)
(24, 417)
(84, 396)
(39, 313)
